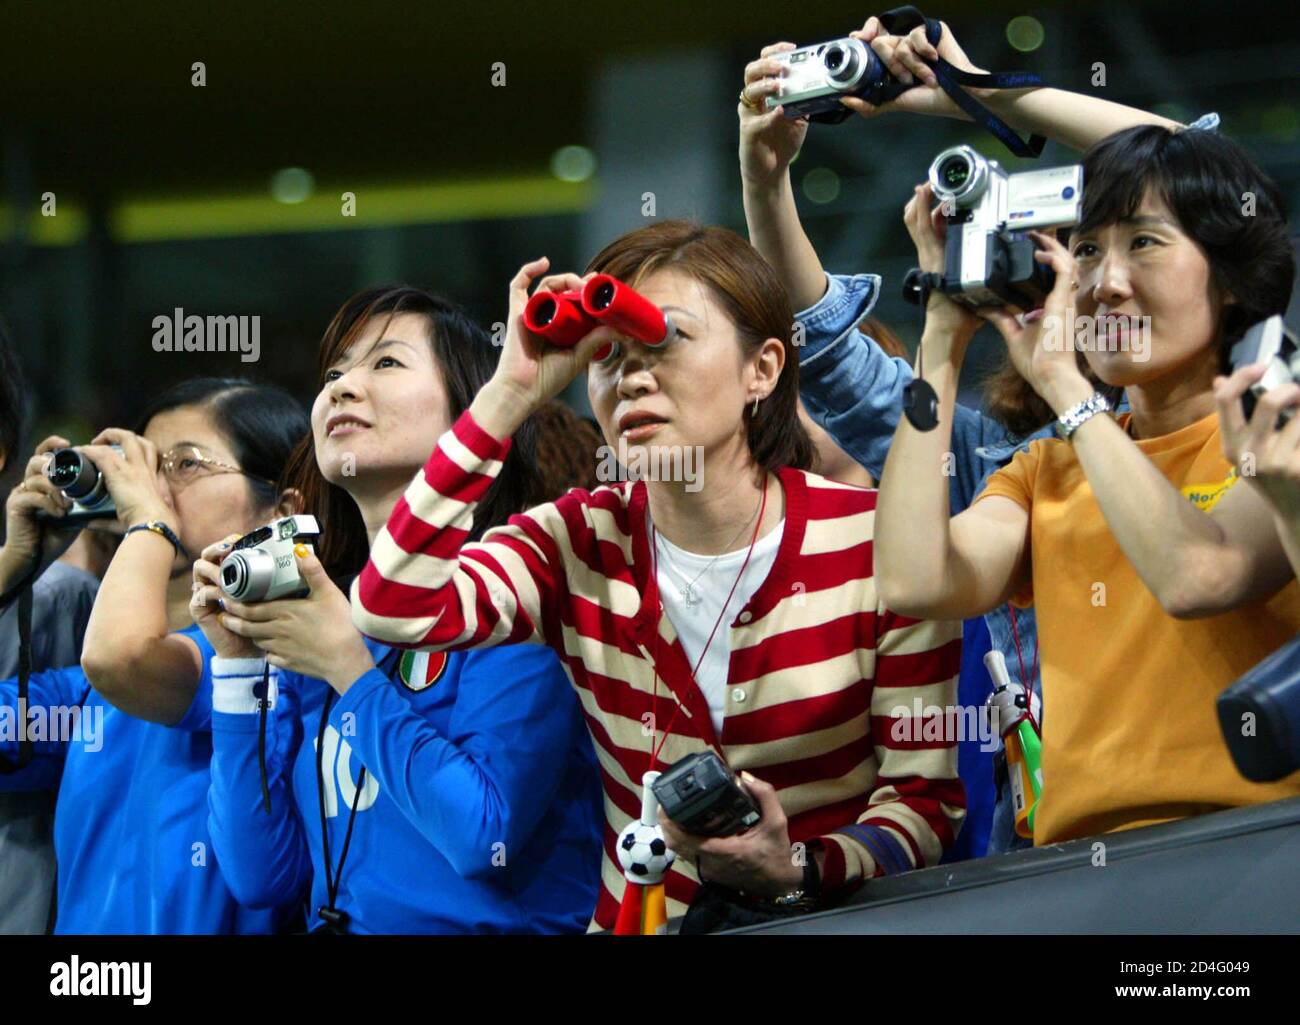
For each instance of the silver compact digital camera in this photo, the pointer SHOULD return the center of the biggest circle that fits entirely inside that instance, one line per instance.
(988, 257)
(816, 76)
(1270, 342)
(80, 480)
(261, 565)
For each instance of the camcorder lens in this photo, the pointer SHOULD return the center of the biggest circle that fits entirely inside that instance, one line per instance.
(955, 172)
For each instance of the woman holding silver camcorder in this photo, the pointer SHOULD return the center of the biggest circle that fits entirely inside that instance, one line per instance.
(847, 383)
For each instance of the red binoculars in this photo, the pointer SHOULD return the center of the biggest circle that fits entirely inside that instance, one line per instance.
(565, 318)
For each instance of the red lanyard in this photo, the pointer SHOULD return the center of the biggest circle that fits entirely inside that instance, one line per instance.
(1027, 681)
(654, 569)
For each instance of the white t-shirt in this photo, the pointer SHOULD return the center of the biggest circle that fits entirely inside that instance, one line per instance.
(693, 618)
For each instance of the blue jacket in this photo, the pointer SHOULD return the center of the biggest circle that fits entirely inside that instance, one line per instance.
(480, 810)
(130, 827)
(855, 392)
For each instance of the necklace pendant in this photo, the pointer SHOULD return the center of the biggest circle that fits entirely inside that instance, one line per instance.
(690, 597)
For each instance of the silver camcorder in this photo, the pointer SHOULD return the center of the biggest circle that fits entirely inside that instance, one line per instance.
(262, 566)
(989, 258)
(1270, 342)
(80, 480)
(815, 77)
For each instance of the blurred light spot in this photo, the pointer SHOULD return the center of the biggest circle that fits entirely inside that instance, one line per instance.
(292, 185)
(1282, 123)
(573, 163)
(821, 185)
(1025, 33)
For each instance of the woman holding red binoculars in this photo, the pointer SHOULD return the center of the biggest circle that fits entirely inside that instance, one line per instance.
(740, 615)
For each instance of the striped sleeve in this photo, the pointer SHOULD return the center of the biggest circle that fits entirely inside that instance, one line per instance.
(918, 803)
(425, 587)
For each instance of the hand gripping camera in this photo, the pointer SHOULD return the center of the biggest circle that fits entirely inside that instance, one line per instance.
(565, 318)
(989, 258)
(702, 796)
(80, 480)
(262, 567)
(1270, 342)
(815, 77)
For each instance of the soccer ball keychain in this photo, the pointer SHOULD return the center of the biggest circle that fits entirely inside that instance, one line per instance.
(644, 855)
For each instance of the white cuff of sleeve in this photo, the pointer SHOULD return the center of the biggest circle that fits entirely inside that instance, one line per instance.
(235, 682)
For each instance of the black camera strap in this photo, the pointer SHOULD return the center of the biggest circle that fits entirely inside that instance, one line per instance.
(902, 20)
(336, 921)
(920, 401)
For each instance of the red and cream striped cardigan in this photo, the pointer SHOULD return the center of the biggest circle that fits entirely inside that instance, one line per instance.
(820, 676)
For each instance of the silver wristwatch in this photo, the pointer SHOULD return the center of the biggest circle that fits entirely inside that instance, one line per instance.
(1080, 413)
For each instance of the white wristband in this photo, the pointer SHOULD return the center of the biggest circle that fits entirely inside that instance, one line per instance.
(235, 682)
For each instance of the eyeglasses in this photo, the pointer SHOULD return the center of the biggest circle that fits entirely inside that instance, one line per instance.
(185, 463)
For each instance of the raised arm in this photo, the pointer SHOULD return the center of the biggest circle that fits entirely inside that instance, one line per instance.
(30, 544)
(1070, 118)
(768, 142)
(131, 654)
(1267, 457)
(1195, 563)
(423, 586)
(928, 564)
(849, 386)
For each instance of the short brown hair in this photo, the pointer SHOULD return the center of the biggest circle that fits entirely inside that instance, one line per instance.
(567, 451)
(755, 301)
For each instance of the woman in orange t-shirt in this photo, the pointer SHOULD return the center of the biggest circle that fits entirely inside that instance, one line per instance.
(1163, 273)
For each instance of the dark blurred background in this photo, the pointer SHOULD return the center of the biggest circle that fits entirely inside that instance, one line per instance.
(228, 198)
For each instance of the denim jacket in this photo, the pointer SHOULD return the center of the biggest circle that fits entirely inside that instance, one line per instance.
(855, 392)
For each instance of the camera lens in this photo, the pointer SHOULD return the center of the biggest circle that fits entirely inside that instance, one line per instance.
(955, 171)
(64, 468)
(247, 575)
(841, 63)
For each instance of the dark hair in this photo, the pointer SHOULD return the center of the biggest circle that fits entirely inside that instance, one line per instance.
(261, 422)
(1204, 178)
(466, 357)
(13, 399)
(755, 301)
(567, 451)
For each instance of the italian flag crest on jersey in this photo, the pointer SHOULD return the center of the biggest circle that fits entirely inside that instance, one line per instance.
(419, 670)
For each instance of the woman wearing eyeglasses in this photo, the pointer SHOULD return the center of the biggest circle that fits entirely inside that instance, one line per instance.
(133, 746)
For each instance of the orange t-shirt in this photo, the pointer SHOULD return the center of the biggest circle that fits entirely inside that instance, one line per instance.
(1130, 733)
